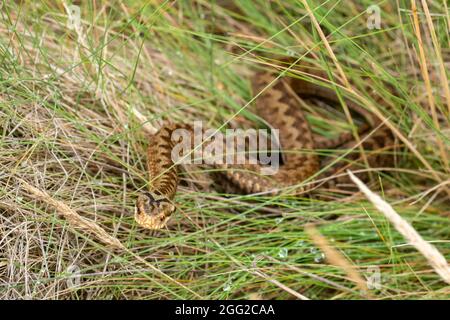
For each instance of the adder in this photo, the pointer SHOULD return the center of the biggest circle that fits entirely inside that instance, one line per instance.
(278, 106)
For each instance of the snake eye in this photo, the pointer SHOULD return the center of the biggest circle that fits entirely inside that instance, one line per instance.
(170, 207)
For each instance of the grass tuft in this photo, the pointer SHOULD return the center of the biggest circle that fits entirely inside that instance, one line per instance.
(76, 105)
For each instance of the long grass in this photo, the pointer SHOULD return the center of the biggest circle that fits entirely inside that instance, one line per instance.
(77, 103)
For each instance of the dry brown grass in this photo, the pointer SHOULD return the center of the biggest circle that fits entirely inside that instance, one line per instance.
(75, 110)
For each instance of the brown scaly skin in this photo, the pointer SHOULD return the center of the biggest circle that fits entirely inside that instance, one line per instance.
(276, 105)
(154, 208)
(153, 211)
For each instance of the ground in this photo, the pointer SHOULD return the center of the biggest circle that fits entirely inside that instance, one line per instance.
(82, 85)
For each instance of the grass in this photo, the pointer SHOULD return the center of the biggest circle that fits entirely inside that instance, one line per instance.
(76, 103)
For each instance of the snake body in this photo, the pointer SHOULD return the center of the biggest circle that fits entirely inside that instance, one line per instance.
(278, 106)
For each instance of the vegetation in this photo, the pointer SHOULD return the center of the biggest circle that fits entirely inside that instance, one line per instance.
(78, 100)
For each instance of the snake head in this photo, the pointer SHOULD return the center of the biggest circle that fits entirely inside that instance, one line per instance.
(153, 210)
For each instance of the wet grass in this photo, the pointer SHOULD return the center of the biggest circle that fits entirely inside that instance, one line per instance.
(76, 103)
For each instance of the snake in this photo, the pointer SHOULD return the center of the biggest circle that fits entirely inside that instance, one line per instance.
(276, 103)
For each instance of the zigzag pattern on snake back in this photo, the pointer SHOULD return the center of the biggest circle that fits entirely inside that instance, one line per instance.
(278, 106)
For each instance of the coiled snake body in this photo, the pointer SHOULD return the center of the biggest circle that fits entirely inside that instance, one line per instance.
(278, 106)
